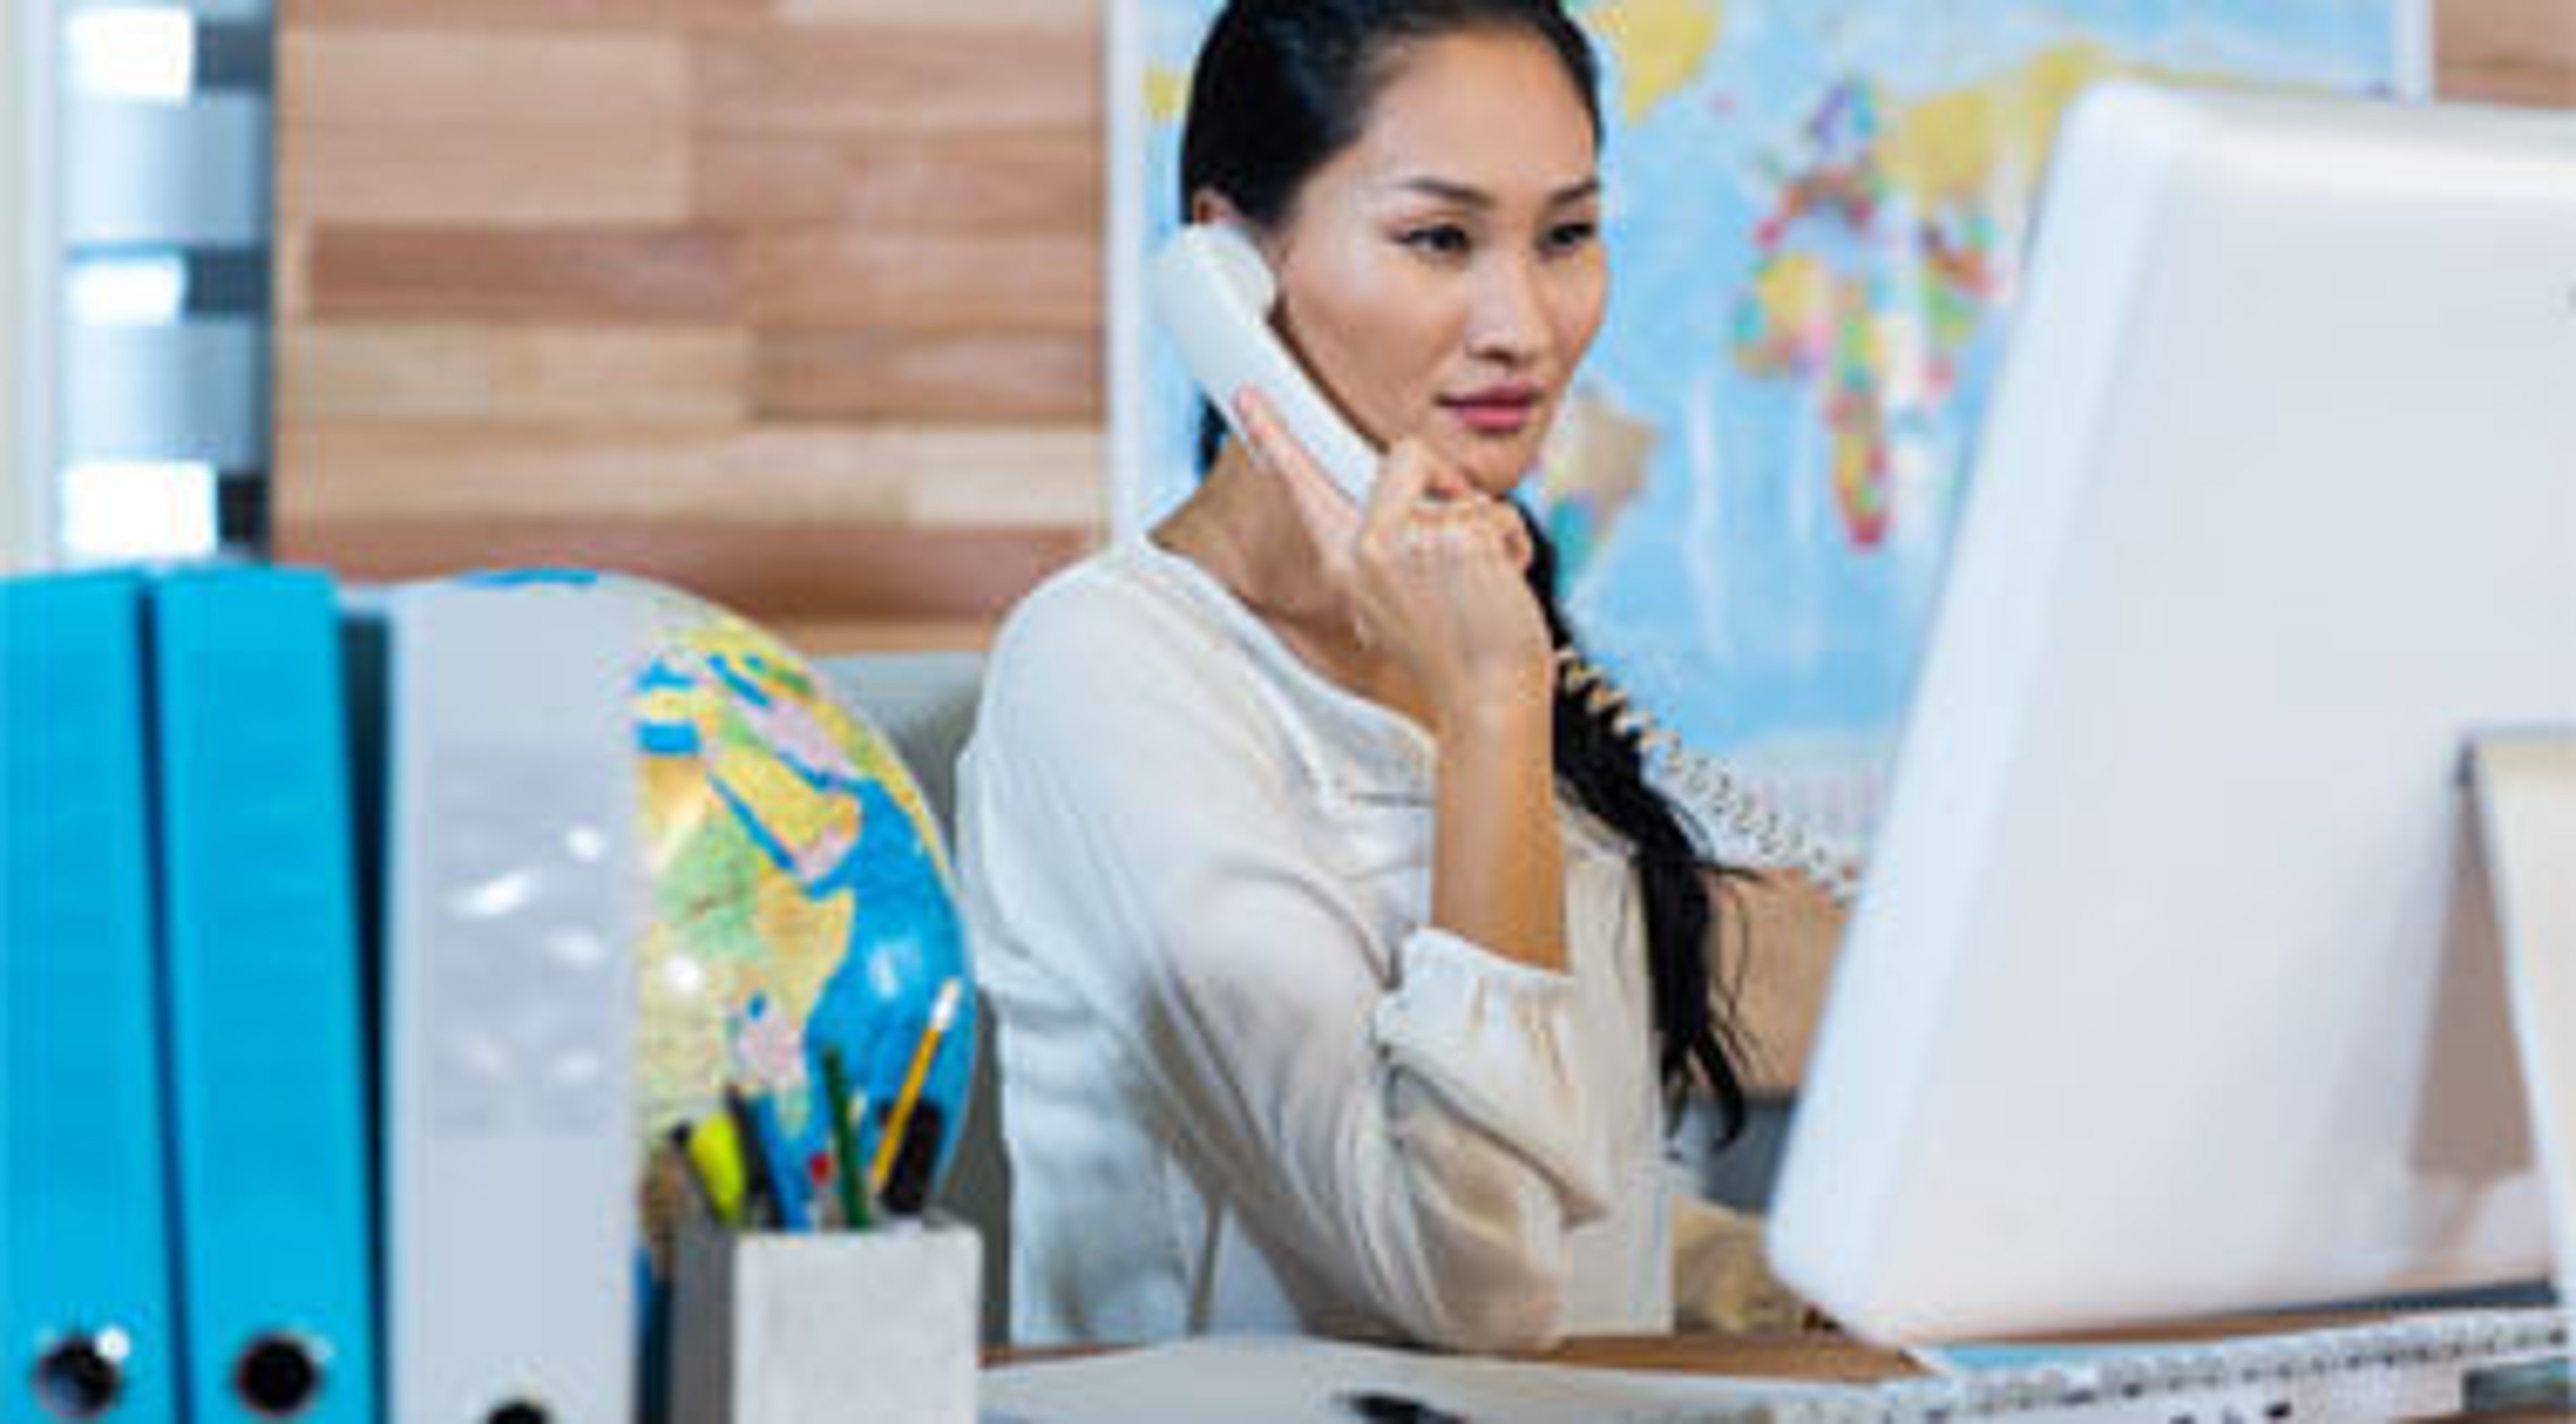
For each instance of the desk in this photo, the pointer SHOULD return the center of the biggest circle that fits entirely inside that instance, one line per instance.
(1821, 1355)
(1825, 1356)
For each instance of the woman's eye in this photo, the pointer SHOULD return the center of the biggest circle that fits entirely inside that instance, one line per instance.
(1570, 236)
(1445, 240)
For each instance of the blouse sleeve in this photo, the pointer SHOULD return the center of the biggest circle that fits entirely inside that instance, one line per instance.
(1407, 1121)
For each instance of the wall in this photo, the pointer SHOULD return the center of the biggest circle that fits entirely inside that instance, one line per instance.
(797, 301)
(15, 216)
(2507, 51)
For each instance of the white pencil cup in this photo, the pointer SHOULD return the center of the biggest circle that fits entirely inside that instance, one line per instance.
(795, 1328)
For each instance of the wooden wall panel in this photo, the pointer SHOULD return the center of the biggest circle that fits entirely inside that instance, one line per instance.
(496, 82)
(778, 477)
(604, 276)
(892, 376)
(795, 301)
(1036, 181)
(2507, 51)
(353, 372)
(457, 177)
(798, 300)
(918, 75)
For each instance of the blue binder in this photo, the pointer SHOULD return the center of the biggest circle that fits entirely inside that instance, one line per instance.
(85, 1289)
(269, 1059)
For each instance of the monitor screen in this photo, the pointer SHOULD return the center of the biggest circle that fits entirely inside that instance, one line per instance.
(2172, 991)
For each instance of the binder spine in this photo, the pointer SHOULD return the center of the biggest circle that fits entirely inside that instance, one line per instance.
(85, 1289)
(516, 901)
(268, 1054)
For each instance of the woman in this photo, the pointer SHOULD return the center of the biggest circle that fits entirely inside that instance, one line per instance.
(1342, 957)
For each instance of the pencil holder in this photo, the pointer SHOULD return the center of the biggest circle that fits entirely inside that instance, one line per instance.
(790, 1328)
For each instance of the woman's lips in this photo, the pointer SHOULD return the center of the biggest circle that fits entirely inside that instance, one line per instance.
(1500, 411)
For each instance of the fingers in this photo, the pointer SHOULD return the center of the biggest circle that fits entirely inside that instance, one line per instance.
(1278, 447)
(1327, 508)
(1420, 504)
(1472, 527)
(1402, 483)
(1516, 535)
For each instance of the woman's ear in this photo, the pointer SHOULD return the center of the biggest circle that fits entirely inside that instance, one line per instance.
(1207, 205)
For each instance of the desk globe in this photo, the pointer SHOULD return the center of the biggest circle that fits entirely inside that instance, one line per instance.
(800, 894)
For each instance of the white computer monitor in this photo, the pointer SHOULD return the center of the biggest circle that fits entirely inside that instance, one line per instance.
(2168, 993)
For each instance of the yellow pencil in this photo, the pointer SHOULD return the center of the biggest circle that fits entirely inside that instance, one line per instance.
(943, 1011)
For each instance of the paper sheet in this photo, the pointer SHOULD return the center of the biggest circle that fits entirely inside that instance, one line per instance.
(1278, 1379)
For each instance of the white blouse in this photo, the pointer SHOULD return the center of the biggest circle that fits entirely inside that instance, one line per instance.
(1245, 1086)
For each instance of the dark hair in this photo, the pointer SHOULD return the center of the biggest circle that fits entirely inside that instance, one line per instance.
(1280, 87)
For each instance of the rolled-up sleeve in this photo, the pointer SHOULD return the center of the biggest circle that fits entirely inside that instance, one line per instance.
(1407, 1120)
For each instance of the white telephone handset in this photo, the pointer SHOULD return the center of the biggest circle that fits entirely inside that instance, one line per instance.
(1213, 292)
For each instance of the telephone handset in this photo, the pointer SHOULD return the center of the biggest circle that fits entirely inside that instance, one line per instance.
(1213, 292)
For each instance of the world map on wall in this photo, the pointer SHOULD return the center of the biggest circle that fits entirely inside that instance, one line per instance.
(1815, 212)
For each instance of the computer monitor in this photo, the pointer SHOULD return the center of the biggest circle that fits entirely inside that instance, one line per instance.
(2170, 991)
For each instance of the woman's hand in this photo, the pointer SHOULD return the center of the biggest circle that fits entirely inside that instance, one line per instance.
(1434, 573)
(1433, 567)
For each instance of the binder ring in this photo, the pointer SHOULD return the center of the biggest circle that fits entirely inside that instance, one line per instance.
(83, 1375)
(278, 1375)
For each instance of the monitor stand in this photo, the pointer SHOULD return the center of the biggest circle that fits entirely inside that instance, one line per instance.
(2523, 786)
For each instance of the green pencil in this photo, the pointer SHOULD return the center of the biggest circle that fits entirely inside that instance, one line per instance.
(845, 1146)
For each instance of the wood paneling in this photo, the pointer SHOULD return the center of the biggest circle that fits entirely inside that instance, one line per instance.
(487, 15)
(349, 373)
(608, 276)
(484, 82)
(458, 177)
(752, 477)
(942, 183)
(919, 75)
(901, 375)
(829, 576)
(2507, 51)
(797, 302)
(849, 279)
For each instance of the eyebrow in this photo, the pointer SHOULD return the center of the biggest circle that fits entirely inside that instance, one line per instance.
(1470, 197)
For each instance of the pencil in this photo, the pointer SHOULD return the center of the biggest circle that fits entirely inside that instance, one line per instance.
(943, 1012)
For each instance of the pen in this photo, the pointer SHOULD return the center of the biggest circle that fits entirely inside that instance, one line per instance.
(908, 1185)
(943, 1011)
(845, 1145)
(1383, 1407)
(787, 1183)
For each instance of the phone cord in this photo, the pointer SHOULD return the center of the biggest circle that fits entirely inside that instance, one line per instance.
(1715, 797)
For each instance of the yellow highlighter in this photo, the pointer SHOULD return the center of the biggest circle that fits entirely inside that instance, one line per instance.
(943, 1012)
(715, 1151)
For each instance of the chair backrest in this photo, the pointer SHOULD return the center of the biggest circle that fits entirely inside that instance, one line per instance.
(925, 702)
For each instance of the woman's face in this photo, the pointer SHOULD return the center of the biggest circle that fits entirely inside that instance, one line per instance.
(1443, 274)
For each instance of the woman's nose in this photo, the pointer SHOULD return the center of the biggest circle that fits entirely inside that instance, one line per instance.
(1508, 318)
